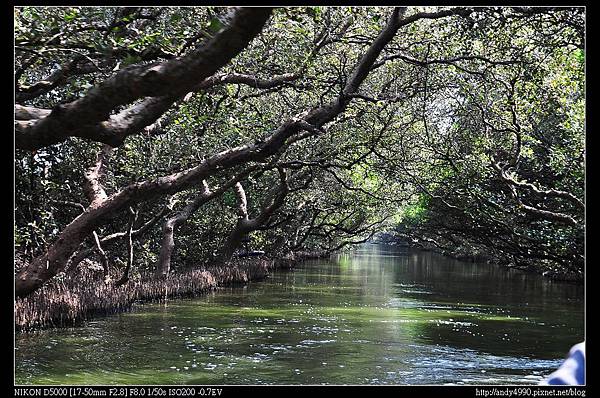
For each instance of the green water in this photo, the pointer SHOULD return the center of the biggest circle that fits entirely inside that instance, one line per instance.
(377, 316)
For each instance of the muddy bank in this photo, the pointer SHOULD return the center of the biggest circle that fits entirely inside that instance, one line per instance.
(67, 302)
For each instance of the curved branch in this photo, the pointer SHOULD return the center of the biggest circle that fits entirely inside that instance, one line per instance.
(47, 265)
(83, 253)
(168, 242)
(125, 277)
(171, 78)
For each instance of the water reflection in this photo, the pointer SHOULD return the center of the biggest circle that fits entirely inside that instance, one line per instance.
(377, 316)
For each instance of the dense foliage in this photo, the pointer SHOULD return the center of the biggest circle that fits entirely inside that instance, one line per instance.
(458, 128)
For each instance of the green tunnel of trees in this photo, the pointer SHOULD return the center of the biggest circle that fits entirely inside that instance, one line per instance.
(158, 139)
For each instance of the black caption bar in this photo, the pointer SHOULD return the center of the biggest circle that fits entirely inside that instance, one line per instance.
(277, 390)
(120, 392)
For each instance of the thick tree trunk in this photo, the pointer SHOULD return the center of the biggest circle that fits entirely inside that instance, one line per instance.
(245, 225)
(166, 248)
(168, 230)
(205, 195)
(46, 266)
(164, 83)
(234, 239)
(242, 226)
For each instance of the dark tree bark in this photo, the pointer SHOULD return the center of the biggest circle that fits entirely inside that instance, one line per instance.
(205, 195)
(89, 117)
(84, 253)
(245, 224)
(55, 79)
(168, 229)
(47, 265)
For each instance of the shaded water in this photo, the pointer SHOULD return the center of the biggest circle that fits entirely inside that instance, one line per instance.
(377, 316)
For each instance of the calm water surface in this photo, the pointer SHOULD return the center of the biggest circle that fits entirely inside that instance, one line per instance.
(377, 316)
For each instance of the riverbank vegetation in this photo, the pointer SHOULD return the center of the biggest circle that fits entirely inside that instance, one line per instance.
(156, 142)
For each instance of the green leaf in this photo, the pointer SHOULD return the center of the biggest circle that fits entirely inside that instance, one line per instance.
(71, 16)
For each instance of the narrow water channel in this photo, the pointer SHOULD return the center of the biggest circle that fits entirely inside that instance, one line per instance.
(376, 316)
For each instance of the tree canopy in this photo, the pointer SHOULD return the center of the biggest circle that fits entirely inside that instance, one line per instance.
(177, 133)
